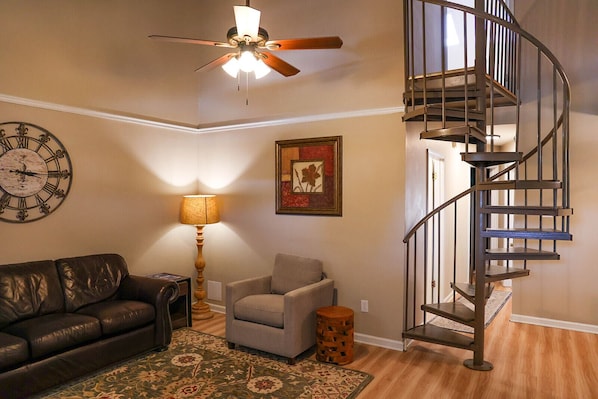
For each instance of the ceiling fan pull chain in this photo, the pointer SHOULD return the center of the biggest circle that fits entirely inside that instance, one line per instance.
(246, 88)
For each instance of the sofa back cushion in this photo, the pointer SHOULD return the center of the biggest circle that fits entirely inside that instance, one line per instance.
(292, 272)
(28, 290)
(90, 279)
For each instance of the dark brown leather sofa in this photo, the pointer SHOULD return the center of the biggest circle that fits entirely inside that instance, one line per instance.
(62, 319)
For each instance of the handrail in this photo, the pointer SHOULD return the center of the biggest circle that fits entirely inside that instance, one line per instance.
(435, 211)
(562, 122)
(514, 27)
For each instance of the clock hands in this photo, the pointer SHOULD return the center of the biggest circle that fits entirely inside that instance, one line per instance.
(27, 173)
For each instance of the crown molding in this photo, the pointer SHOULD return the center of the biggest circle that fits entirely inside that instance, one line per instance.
(198, 129)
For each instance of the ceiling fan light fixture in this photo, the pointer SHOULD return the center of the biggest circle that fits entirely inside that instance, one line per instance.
(247, 20)
(247, 61)
(231, 67)
(261, 69)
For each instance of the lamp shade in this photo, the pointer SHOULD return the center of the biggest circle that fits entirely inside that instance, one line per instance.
(199, 210)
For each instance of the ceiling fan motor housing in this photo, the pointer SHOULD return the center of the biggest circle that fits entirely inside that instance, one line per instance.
(234, 39)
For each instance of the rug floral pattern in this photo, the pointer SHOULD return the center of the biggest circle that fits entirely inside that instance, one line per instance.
(198, 365)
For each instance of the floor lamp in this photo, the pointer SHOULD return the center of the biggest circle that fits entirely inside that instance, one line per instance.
(199, 210)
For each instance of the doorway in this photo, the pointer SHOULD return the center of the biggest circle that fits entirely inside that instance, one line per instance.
(435, 237)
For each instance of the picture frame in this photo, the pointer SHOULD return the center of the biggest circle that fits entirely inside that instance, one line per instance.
(309, 176)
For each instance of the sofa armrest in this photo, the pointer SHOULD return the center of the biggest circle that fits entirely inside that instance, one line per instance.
(158, 292)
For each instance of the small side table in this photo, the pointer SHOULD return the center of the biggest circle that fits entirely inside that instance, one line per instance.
(334, 335)
(180, 308)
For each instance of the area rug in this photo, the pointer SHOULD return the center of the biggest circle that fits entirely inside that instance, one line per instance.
(198, 365)
(495, 303)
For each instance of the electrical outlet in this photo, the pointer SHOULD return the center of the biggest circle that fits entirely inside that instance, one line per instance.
(364, 305)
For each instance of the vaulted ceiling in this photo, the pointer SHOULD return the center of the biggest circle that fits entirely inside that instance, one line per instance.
(96, 55)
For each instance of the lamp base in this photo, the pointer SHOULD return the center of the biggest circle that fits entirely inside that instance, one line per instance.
(201, 311)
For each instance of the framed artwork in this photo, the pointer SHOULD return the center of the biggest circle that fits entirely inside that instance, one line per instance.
(309, 176)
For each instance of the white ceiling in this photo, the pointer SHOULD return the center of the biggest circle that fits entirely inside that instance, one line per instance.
(95, 54)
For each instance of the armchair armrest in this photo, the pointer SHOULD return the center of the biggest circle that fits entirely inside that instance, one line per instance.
(251, 286)
(301, 304)
(300, 309)
(157, 292)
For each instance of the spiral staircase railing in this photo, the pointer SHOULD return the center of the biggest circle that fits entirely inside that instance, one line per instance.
(515, 78)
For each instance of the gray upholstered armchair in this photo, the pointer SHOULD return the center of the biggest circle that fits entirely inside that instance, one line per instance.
(277, 313)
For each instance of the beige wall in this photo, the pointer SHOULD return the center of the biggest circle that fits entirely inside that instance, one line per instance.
(564, 290)
(128, 180)
(361, 250)
(127, 183)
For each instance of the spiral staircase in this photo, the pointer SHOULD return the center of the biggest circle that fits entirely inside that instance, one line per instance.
(518, 205)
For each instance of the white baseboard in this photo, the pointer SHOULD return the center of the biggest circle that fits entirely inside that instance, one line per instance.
(377, 341)
(565, 325)
(217, 308)
(361, 338)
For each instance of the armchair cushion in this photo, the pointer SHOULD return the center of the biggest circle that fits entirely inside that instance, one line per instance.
(265, 309)
(292, 272)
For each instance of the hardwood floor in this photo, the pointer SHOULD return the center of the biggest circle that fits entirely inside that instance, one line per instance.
(529, 362)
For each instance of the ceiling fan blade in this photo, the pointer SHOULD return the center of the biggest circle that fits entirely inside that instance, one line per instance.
(217, 62)
(280, 66)
(190, 41)
(247, 20)
(314, 43)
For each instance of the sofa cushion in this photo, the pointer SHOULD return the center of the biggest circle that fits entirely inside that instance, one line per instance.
(90, 279)
(116, 316)
(265, 309)
(13, 350)
(292, 272)
(56, 332)
(28, 290)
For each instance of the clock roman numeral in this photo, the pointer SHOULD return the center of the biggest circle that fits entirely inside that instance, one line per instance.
(22, 205)
(59, 174)
(4, 201)
(50, 188)
(5, 143)
(43, 207)
(43, 139)
(57, 155)
(23, 141)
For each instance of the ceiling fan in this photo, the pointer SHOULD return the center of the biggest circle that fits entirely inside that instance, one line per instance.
(253, 46)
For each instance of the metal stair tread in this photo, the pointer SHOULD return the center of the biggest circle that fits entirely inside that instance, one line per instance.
(467, 290)
(439, 335)
(527, 233)
(486, 159)
(434, 113)
(456, 134)
(520, 253)
(519, 185)
(451, 310)
(453, 81)
(498, 273)
(528, 210)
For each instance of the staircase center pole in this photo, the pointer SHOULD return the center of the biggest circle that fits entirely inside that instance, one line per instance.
(479, 219)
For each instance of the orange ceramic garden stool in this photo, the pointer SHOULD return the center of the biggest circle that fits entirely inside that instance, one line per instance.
(334, 335)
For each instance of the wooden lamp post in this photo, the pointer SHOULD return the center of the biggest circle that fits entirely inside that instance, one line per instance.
(199, 210)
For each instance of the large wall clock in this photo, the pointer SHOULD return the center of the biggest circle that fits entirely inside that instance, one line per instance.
(35, 172)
